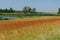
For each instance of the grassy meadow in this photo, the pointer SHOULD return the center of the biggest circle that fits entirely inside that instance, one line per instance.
(29, 20)
(31, 28)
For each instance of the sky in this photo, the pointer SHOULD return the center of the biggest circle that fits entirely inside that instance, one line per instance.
(40, 5)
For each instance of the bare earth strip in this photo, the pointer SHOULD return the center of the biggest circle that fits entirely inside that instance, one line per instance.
(40, 29)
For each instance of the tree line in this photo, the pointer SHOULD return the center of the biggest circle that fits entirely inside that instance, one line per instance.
(6, 10)
(26, 9)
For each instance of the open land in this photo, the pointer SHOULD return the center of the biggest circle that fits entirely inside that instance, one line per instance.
(34, 28)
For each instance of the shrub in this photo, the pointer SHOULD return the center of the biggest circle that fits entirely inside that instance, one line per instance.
(6, 19)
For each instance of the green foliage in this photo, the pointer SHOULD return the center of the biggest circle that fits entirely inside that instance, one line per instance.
(11, 10)
(59, 11)
(33, 10)
(26, 9)
(6, 19)
(6, 10)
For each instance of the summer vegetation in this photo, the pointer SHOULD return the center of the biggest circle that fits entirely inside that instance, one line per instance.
(27, 11)
(29, 28)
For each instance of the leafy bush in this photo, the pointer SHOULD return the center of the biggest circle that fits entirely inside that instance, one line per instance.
(6, 19)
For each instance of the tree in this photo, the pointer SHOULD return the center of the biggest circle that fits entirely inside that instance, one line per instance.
(11, 10)
(6, 10)
(26, 9)
(59, 11)
(33, 10)
(1, 10)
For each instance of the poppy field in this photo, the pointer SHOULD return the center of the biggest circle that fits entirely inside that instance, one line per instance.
(30, 29)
